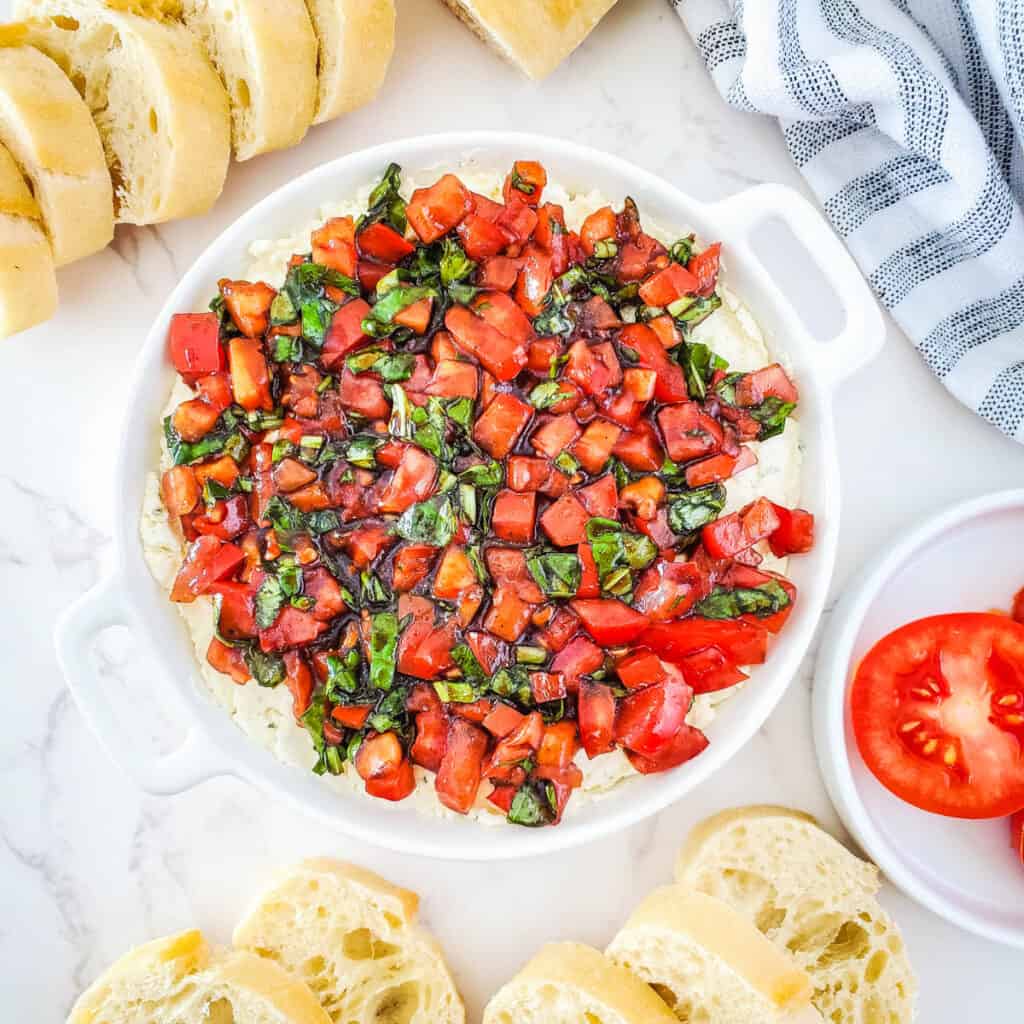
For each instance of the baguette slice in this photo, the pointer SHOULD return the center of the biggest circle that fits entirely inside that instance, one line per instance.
(28, 286)
(161, 110)
(179, 980)
(536, 35)
(811, 897)
(569, 983)
(356, 41)
(353, 938)
(265, 52)
(50, 133)
(709, 963)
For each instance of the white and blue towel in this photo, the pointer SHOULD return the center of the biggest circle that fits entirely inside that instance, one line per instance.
(906, 117)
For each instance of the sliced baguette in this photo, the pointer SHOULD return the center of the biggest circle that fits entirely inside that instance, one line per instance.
(161, 110)
(28, 286)
(569, 983)
(709, 963)
(353, 938)
(535, 35)
(356, 41)
(812, 898)
(50, 133)
(180, 980)
(265, 52)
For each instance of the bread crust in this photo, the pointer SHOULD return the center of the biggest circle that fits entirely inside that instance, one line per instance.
(154, 95)
(536, 35)
(265, 53)
(356, 39)
(28, 285)
(49, 131)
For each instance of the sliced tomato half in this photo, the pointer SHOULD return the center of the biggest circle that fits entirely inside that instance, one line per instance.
(938, 713)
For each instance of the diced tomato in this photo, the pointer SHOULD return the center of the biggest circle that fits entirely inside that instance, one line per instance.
(640, 668)
(513, 517)
(502, 719)
(334, 245)
(665, 286)
(383, 243)
(237, 619)
(325, 591)
(590, 583)
(526, 473)
(508, 567)
(596, 716)
(704, 267)
(689, 432)
(555, 435)
(179, 490)
(412, 563)
(669, 590)
(345, 332)
(666, 330)
(526, 182)
(547, 686)
(550, 225)
(794, 534)
(224, 519)
(643, 496)
(534, 279)
(559, 745)
(299, 681)
(709, 670)
(565, 521)
(412, 481)
(461, 770)
(502, 797)
(578, 658)
(509, 615)
(732, 534)
(351, 716)
(649, 718)
(424, 651)
(290, 474)
(639, 383)
(370, 272)
(501, 355)
(291, 628)
(687, 743)
(601, 498)
(771, 382)
(454, 574)
(383, 767)
(228, 660)
(541, 354)
(498, 273)
(474, 711)
(499, 426)
(208, 560)
(639, 449)
(434, 211)
(560, 629)
(719, 467)
(517, 221)
(194, 419)
(588, 370)
(250, 378)
(741, 642)
(608, 621)
(453, 378)
(428, 747)
(481, 238)
(364, 395)
(594, 448)
(487, 208)
(248, 303)
(670, 385)
(194, 343)
(639, 257)
(365, 543)
(600, 226)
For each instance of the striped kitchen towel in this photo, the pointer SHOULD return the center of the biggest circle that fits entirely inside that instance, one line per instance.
(906, 117)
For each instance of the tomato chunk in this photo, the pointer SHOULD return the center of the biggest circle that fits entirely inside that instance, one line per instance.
(249, 305)
(208, 560)
(383, 243)
(596, 715)
(194, 343)
(565, 521)
(665, 286)
(461, 770)
(334, 245)
(733, 534)
(250, 378)
(345, 332)
(499, 426)
(496, 352)
(689, 432)
(649, 719)
(741, 642)
(513, 516)
(794, 534)
(608, 621)
(434, 211)
(413, 481)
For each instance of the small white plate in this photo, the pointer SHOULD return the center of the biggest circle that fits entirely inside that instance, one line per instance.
(970, 558)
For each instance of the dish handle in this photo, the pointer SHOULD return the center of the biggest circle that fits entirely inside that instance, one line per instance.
(193, 762)
(863, 333)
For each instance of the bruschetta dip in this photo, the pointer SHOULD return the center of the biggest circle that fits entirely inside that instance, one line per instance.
(478, 494)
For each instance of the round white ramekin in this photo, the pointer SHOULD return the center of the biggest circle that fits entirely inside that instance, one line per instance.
(214, 746)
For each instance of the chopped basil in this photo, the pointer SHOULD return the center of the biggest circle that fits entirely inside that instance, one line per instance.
(617, 553)
(772, 413)
(431, 428)
(282, 310)
(697, 311)
(527, 654)
(341, 681)
(282, 448)
(381, 319)
(472, 670)
(457, 693)
(390, 714)
(699, 364)
(269, 601)
(361, 451)
(322, 521)
(691, 510)
(304, 286)
(467, 503)
(520, 184)
(534, 805)
(329, 758)
(484, 474)
(383, 647)
(185, 452)
(682, 250)
(513, 683)
(373, 590)
(460, 410)
(286, 349)
(605, 249)
(399, 425)
(549, 393)
(428, 522)
(557, 573)
(284, 517)
(392, 366)
(454, 263)
(214, 491)
(763, 600)
(386, 203)
(566, 463)
(266, 669)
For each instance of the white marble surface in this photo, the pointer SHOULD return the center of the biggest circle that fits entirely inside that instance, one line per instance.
(88, 866)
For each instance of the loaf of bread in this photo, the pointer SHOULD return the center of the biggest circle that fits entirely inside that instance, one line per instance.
(180, 980)
(50, 133)
(356, 40)
(352, 937)
(813, 899)
(265, 52)
(536, 35)
(569, 983)
(161, 110)
(709, 963)
(28, 286)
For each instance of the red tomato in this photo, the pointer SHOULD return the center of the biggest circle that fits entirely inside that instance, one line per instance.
(179, 490)
(249, 305)
(351, 716)
(719, 467)
(709, 670)
(601, 498)
(687, 744)
(299, 680)
(795, 532)
(526, 182)
(502, 719)
(228, 660)
(427, 748)
(555, 435)
(509, 615)
(382, 243)
(600, 226)
(547, 686)
(704, 267)
(498, 273)
(481, 237)
(596, 717)
(649, 719)
(237, 618)
(334, 245)
(594, 448)
(733, 534)
(741, 642)
(424, 650)
(641, 668)
(501, 423)
(497, 353)
(938, 712)
(565, 521)
(250, 378)
(345, 332)
(688, 431)
(384, 769)
(608, 621)
(671, 382)
(434, 211)
(534, 279)
(193, 340)
(578, 658)
(208, 560)
(771, 382)
(513, 516)
(459, 775)
(639, 448)
(413, 481)
(291, 628)
(665, 286)
(590, 582)
(412, 563)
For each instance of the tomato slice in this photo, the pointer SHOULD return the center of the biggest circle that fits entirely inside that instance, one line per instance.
(596, 714)
(938, 712)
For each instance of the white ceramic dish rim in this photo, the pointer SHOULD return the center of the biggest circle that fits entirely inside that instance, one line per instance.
(829, 709)
(214, 746)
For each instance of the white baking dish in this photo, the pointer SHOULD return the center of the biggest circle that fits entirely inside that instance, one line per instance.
(214, 746)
